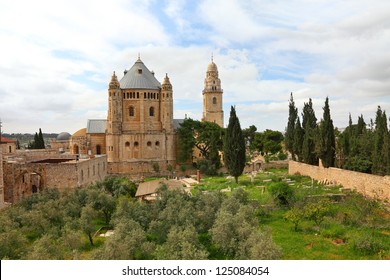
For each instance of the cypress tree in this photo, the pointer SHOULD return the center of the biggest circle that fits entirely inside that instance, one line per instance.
(234, 146)
(41, 144)
(327, 142)
(298, 139)
(36, 141)
(380, 158)
(309, 122)
(292, 119)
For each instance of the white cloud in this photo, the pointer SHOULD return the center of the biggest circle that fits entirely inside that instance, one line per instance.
(57, 57)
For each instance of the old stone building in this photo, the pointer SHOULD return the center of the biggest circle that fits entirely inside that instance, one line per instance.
(212, 96)
(7, 145)
(90, 140)
(27, 173)
(139, 135)
(61, 143)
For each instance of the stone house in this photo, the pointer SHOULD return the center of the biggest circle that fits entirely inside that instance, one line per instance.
(147, 191)
(8, 146)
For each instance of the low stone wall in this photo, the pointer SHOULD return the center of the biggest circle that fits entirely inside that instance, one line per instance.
(373, 186)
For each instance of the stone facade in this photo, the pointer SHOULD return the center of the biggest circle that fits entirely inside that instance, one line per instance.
(140, 131)
(21, 179)
(373, 186)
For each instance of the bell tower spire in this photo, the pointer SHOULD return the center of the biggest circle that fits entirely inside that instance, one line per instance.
(212, 95)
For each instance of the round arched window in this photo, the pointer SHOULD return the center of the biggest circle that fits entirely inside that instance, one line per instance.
(157, 143)
(149, 144)
(136, 144)
(127, 144)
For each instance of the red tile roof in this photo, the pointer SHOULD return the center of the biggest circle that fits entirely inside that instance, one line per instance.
(7, 140)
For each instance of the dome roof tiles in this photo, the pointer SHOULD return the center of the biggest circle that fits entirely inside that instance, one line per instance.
(139, 77)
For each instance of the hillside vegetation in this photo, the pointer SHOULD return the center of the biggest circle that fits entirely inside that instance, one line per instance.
(269, 216)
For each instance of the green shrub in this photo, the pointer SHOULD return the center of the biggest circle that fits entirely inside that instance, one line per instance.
(317, 211)
(282, 193)
(367, 244)
(207, 167)
(295, 215)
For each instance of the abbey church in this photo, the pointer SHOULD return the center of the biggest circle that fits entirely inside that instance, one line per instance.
(139, 134)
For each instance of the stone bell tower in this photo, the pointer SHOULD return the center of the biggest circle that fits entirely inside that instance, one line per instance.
(167, 105)
(114, 119)
(212, 96)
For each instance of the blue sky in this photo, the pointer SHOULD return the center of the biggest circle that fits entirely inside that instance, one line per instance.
(58, 56)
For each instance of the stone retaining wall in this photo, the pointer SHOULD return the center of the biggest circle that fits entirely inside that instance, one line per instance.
(373, 186)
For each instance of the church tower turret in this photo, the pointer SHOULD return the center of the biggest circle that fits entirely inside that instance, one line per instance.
(212, 96)
(114, 119)
(167, 105)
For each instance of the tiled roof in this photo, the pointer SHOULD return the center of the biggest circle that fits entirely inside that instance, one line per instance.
(151, 187)
(96, 126)
(7, 140)
(139, 77)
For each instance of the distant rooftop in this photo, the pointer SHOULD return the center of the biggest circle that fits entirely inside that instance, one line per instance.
(63, 136)
(96, 126)
(7, 140)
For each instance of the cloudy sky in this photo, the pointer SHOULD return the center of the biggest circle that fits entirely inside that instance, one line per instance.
(57, 57)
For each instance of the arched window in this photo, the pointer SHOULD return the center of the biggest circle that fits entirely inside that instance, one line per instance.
(127, 144)
(151, 111)
(136, 144)
(214, 100)
(131, 111)
(149, 144)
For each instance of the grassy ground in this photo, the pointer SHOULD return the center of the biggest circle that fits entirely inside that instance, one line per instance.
(356, 228)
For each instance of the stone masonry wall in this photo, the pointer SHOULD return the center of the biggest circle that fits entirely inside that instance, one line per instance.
(373, 186)
(23, 179)
(73, 174)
